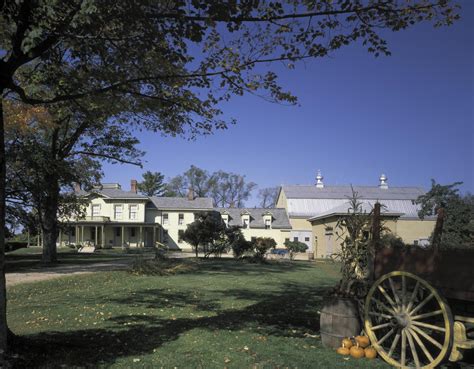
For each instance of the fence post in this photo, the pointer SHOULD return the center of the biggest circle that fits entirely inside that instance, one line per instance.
(438, 231)
(374, 242)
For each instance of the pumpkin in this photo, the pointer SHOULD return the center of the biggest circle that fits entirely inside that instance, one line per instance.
(357, 352)
(363, 341)
(343, 351)
(347, 342)
(370, 353)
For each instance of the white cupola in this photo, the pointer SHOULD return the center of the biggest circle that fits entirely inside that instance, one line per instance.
(319, 179)
(383, 181)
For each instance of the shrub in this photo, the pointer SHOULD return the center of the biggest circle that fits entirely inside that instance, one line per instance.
(294, 247)
(262, 245)
(390, 240)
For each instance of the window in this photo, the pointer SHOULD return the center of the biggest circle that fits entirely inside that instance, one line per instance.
(166, 219)
(415, 242)
(117, 231)
(165, 236)
(180, 219)
(118, 210)
(95, 210)
(180, 236)
(132, 232)
(133, 210)
(245, 222)
(268, 223)
(306, 239)
(287, 240)
(295, 239)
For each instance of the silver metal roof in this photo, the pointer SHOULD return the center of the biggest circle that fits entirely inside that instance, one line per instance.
(311, 201)
(366, 207)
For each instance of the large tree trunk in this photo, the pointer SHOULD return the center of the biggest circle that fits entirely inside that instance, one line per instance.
(3, 291)
(50, 220)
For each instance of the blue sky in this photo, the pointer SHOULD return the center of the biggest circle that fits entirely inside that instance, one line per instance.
(409, 116)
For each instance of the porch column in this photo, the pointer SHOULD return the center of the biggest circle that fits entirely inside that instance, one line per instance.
(82, 234)
(102, 239)
(153, 236)
(123, 236)
(140, 240)
(96, 241)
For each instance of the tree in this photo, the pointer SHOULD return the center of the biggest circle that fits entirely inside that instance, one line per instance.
(152, 184)
(294, 247)
(204, 231)
(457, 227)
(268, 197)
(153, 60)
(226, 189)
(262, 245)
(46, 156)
(230, 189)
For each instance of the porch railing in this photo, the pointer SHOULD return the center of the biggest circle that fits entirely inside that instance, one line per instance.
(93, 218)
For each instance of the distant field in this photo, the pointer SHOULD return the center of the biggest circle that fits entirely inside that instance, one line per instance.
(223, 314)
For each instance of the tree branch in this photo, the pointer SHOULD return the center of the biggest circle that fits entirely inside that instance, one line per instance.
(105, 156)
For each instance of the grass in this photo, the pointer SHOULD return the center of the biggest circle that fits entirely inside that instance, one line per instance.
(25, 259)
(222, 314)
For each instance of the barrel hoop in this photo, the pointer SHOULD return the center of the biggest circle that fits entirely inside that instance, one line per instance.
(340, 315)
(331, 334)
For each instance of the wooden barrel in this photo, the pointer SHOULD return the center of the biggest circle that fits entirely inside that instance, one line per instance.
(339, 319)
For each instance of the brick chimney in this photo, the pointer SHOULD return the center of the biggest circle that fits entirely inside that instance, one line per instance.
(133, 186)
(77, 187)
(191, 194)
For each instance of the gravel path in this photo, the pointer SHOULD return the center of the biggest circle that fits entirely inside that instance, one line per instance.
(41, 274)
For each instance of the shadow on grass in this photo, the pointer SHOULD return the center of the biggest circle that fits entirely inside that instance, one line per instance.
(290, 311)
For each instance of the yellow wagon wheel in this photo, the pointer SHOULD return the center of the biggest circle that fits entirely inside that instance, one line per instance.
(408, 322)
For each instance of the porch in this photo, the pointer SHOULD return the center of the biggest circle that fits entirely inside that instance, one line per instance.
(110, 235)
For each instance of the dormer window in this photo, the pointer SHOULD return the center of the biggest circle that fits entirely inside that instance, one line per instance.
(245, 222)
(268, 223)
(225, 219)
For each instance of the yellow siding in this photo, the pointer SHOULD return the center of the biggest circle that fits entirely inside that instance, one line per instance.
(414, 230)
(281, 201)
(321, 240)
(300, 224)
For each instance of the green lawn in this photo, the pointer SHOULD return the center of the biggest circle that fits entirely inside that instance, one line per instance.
(222, 314)
(29, 258)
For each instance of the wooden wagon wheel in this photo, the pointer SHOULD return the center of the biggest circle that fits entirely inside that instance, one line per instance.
(408, 322)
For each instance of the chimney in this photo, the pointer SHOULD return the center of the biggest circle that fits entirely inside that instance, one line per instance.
(383, 181)
(133, 186)
(319, 179)
(77, 187)
(190, 194)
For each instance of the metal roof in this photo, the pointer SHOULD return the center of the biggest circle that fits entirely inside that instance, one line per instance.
(345, 192)
(311, 201)
(280, 217)
(366, 207)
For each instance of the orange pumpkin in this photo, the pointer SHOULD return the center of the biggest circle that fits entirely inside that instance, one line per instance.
(357, 352)
(363, 341)
(343, 351)
(370, 353)
(347, 342)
